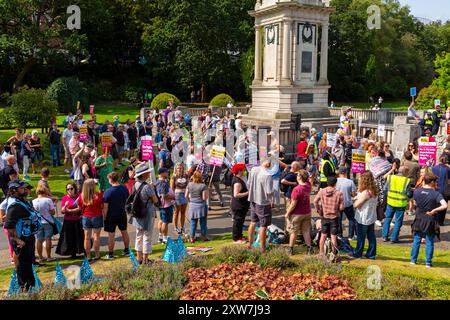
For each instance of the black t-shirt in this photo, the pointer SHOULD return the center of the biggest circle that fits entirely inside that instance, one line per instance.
(36, 142)
(290, 177)
(116, 197)
(148, 127)
(17, 213)
(132, 135)
(120, 138)
(427, 199)
(239, 203)
(55, 137)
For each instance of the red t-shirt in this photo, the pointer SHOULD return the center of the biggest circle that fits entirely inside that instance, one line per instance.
(301, 194)
(301, 149)
(93, 210)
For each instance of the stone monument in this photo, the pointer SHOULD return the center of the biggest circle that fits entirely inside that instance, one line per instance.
(291, 64)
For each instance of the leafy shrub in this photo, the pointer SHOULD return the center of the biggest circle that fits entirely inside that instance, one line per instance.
(132, 94)
(221, 100)
(426, 97)
(161, 101)
(29, 108)
(67, 91)
(103, 90)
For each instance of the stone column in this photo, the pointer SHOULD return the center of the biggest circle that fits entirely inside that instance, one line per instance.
(323, 79)
(285, 71)
(258, 69)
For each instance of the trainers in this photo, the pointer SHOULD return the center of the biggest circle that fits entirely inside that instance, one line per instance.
(413, 263)
(392, 224)
(160, 238)
(109, 257)
(310, 251)
(177, 230)
(428, 265)
(378, 223)
(423, 241)
(290, 251)
(126, 253)
(385, 239)
(66, 171)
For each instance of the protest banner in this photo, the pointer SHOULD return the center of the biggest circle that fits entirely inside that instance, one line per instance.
(106, 139)
(381, 130)
(331, 140)
(147, 148)
(91, 109)
(358, 161)
(84, 133)
(217, 155)
(427, 153)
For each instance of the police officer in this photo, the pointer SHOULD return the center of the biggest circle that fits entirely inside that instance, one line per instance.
(437, 117)
(426, 123)
(22, 223)
(327, 169)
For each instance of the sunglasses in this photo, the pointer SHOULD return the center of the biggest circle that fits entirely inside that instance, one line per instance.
(68, 189)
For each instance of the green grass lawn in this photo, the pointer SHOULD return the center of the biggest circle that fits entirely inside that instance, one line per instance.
(393, 105)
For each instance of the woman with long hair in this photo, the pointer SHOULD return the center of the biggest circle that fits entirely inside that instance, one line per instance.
(71, 239)
(365, 215)
(44, 205)
(178, 183)
(197, 196)
(91, 205)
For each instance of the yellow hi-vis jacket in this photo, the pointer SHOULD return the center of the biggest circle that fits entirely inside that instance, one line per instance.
(323, 178)
(396, 195)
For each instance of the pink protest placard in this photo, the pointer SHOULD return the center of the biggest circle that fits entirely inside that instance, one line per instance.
(91, 109)
(358, 161)
(84, 133)
(217, 155)
(427, 153)
(147, 148)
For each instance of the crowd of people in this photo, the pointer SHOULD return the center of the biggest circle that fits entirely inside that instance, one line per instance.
(111, 186)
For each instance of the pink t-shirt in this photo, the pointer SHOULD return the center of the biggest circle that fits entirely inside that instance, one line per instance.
(301, 194)
(70, 201)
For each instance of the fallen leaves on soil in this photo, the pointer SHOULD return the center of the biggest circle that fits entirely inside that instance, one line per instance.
(240, 282)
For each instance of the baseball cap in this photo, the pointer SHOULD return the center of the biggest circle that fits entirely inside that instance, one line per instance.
(162, 170)
(16, 184)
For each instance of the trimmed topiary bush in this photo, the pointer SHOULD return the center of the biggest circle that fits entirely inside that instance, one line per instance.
(426, 97)
(67, 91)
(161, 101)
(221, 100)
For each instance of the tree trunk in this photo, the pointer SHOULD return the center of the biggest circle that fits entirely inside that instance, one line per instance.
(203, 89)
(26, 68)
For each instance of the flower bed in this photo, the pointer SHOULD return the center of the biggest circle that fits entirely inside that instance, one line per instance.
(242, 281)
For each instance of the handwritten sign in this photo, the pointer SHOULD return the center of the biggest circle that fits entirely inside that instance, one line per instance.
(106, 139)
(84, 133)
(147, 148)
(217, 155)
(427, 153)
(331, 140)
(358, 161)
(381, 130)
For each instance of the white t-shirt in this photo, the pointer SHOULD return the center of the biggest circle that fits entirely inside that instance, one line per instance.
(190, 161)
(67, 135)
(237, 123)
(44, 206)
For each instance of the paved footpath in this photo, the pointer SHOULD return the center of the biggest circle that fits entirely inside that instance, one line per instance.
(219, 223)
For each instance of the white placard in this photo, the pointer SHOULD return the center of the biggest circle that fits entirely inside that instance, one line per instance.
(381, 130)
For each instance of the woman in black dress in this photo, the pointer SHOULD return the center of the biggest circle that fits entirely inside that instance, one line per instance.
(71, 239)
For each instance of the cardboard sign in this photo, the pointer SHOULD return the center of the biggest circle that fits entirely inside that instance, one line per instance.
(413, 92)
(91, 109)
(147, 148)
(106, 139)
(358, 161)
(217, 155)
(84, 133)
(381, 130)
(427, 153)
(331, 140)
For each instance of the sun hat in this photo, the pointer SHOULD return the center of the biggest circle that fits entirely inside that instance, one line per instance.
(313, 130)
(141, 169)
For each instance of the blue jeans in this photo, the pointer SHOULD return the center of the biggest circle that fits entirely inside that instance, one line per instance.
(362, 232)
(350, 214)
(203, 227)
(429, 247)
(56, 154)
(390, 212)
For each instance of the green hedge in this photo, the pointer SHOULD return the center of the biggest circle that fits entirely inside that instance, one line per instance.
(161, 101)
(426, 97)
(67, 91)
(221, 100)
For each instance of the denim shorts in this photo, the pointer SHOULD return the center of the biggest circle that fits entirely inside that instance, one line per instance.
(44, 232)
(180, 198)
(92, 223)
(166, 214)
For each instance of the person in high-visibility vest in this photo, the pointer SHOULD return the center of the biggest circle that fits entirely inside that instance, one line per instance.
(426, 123)
(437, 117)
(398, 189)
(327, 169)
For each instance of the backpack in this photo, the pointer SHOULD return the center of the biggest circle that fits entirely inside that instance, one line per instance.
(276, 235)
(283, 187)
(133, 206)
(227, 177)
